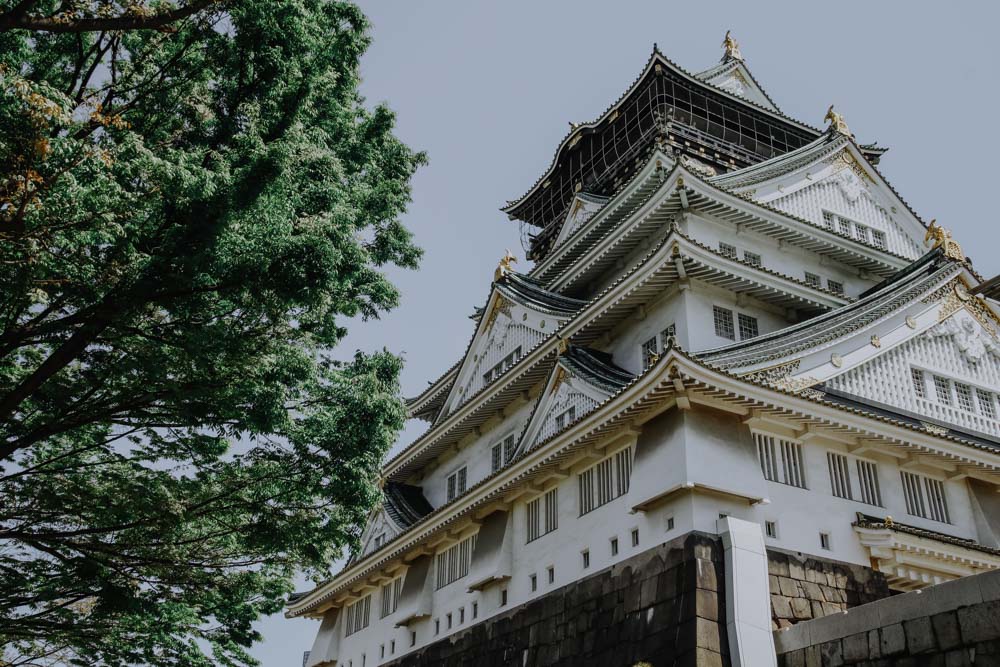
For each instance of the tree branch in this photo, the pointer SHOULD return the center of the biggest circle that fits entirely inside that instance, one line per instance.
(17, 19)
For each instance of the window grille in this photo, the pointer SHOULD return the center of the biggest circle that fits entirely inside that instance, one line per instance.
(457, 483)
(835, 286)
(861, 232)
(986, 404)
(828, 220)
(752, 258)
(605, 481)
(925, 497)
(357, 615)
(649, 351)
(565, 418)
(840, 475)
(878, 239)
(727, 249)
(813, 279)
(871, 493)
(724, 323)
(496, 457)
(534, 520)
(919, 388)
(390, 596)
(964, 394)
(453, 563)
(540, 523)
(505, 363)
(789, 468)
(765, 453)
(748, 327)
(844, 226)
(791, 464)
(551, 510)
(942, 388)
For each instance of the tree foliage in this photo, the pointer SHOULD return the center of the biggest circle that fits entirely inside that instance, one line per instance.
(193, 201)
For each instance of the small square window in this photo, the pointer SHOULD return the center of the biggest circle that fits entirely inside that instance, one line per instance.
(813, 279)
(614, 546)
(586, 559)
(534, 582)
(670, 523)
(635, 537)
(727, 249)
(723, 318)
(771, 529)
(751, 258)
(835, 286)
(824, 541)
(552, 574)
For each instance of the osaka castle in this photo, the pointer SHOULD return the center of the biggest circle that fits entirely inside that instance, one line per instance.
(736, 383)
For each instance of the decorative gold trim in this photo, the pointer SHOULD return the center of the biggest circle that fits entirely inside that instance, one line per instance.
(504, 265)
(954, 296)
(939, 237)
(934, 428)
(910, 322)
(836, 360)
(876, 341)
(732, 48)
(774, 374)
(837, 122)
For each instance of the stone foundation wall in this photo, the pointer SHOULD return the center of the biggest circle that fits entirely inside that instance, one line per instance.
(955, 624)
(807, 588)
(665, 606)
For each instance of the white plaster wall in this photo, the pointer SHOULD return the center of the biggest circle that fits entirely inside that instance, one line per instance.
(699, 301)
(626, 344)
(786, 259)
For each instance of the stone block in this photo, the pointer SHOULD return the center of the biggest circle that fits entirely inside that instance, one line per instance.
(832, 654)
(874, 645)
(789, 587)
(855, 648)
(705, 576)
(989, 585)
(893, 640)
(812, 590)
(780, 608)
(958, 658)
(777, 564)
(647, 592)
(707, 604)
(919, 635)
(801, 609)
(795, 569)
(707, 658)
(946, 630)
(707, 635)
(980, 623)
(773, 585)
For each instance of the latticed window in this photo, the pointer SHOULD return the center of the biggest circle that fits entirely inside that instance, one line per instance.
(871, 493)
(813, 279)
(964, 394)
(835, 286)
(829, 219)
(453, 563)
(942, 389)
(986, 405)
(844, 226)
(919, 387)
(496, 457)
(925, 497)
(390, 596)
(751, 258)
(861, 233)
(727, 249)
(457, 482)
(723, 318)
(543, 515)
(649, 352)
(878, 239)
(565, 417)
(748, 326)
(605, 481)
(780, 460)
(357, 615)
(840, 475)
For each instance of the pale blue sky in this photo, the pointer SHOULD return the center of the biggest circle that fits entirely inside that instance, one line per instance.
(488, 91)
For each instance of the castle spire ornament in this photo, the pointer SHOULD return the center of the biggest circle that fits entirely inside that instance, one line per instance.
(837, 122)
(732, 48)
(939, 237)
(504, 266)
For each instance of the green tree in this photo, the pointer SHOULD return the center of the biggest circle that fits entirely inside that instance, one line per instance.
(194, 200)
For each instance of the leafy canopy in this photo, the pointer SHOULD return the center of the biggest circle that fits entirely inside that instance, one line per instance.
(193, 200)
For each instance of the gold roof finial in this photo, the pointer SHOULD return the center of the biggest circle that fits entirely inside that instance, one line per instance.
(837, 122)
(732, 48)
(504, 266)
(939, 237)
(888, 522)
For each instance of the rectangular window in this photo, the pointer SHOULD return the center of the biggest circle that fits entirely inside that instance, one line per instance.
(453, 563)
(475, 610)
(986, 404)
(964, 394)
(835, 286)
(840, 475)
(751, 258)
(727, 249)
(551, 571)
(649, 352)
(871, 493)
(448, 619)
(614, 546)
(390, 596)
(748, 327)
(534, 521)
(670, 523)
(824, 541)
(828, 219)
(542, 524)
(844, 226)
(457, 483)
(534, 582)
(503, 597)
(813, 279)
(586, 559)
(942, 389)
(496, 457)
(565, 418)
(789, 468)
(461, 615)
(605, 481)
(635, 537)
(357, 615)
(771, 529)
(723, 323)
(861, 232)
(925, 497)
(919, 386)
(551, 510)
(878, 239)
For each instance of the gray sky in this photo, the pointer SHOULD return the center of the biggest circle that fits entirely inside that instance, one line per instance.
(488, 91)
